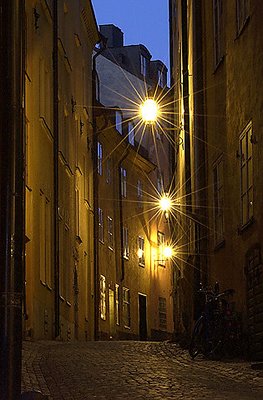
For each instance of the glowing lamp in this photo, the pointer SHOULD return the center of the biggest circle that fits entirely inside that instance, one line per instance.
(165, 203)
(167, 252)
(149, 111)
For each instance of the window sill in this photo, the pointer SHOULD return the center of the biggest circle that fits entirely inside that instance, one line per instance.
(142, 265)
(127, 327)
(244, 227)
(110, 248)
(125, 258)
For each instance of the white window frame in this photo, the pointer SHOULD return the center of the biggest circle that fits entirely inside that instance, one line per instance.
(161, 245)
(161, 80)
(131, 133)
(126, 298)
(143, 62)
(118, 121)
(141, 245)
(117, 303)
(218, 200)
(103, 309)
(246, 175)
(160, 183)
(108, 170)
(123, 182)
(101, 226)
(125, 242)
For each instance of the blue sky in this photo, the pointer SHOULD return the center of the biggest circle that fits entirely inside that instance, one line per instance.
(141, 21)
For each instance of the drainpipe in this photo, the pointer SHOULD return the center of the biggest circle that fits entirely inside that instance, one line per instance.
(56, 166)
(11, 196)
(95, 190)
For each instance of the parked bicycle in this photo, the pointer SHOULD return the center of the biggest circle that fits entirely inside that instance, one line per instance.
(217, 331)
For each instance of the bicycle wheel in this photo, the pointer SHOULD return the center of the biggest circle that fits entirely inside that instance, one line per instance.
(215, 339)
(197, 340)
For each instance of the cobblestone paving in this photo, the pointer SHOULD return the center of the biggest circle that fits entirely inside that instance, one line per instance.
(133, 370)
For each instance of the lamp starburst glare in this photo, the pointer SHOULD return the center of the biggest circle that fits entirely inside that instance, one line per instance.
(149, 111)
(165, 203)
(168, 252)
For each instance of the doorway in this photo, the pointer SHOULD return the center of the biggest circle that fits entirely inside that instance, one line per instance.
(142, 317)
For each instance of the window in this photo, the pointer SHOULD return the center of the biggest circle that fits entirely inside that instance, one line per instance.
(131, 134)
(218, 31)
(159, 181)
(125, 242)
(246, 175)
(123, 182)
(218, 197)
(162, 313)
(101, 228)
(160, 244)
(117, 301)
(110, 233)
(141, 251)
(161, 80)
(126, 308)
(108, 170)
(143, 65)
(139, 194)
(242, 7)
(118, 121)
(103, 297)
(99, 155)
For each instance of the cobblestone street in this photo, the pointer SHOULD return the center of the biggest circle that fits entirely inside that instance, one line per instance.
(133, 370)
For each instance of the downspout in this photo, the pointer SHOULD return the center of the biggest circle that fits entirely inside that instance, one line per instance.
(11, 197)
(95, 191)
(56, 166)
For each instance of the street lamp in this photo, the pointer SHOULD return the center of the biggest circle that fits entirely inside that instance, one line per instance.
(165, 204)
(149, 111)
(168, 252)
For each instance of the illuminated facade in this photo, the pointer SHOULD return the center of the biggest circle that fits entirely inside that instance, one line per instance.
(59, 190)
(215, 53)
(134, 277)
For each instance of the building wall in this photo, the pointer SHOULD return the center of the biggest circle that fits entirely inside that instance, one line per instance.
(232, 101)
(77, 35)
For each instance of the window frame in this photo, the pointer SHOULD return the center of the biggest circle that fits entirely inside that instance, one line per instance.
(131, 133)
(246, 175)
(160, 246)
(118, 121)
(162, 311)
(242, 7)
(110, 232)
(103, 294)
(125, 242)
(100, 225)
(123, 173)
(143, 65)
(141, 246)
(99, 158)
(218, 28)
(126, 302)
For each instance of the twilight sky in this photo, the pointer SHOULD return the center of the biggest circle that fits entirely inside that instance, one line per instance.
(141, 21)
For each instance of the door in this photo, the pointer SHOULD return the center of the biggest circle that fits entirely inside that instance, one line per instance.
(142, 317)
(111, 313)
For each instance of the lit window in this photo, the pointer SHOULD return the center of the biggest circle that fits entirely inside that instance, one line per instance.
(118, 121)
(218, 201)
(141, 250)
(162, 313)
(126, 308)
(139, 193)
(143, 65)
(125, 242)
(108, 170)
(110, 233)
(246, 175)
(160, 181)
(103, 297)
(99, 154)
(218, 31)
(117, 301)
(160, 244)
(242, 7)
(123, 182)
(101, 228)
(131, 134)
